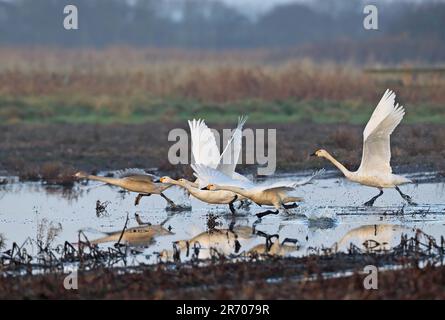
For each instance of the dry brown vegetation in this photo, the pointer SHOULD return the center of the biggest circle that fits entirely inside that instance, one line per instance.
(201, 76)
(246, 280)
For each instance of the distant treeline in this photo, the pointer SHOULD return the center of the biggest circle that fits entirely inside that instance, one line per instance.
(322, 28)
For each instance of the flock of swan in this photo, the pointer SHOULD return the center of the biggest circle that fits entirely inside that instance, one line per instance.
(218, 182)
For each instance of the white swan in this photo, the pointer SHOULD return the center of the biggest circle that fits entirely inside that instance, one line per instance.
(211, 197)
(375, 169)
(276, 194)
(205, 151)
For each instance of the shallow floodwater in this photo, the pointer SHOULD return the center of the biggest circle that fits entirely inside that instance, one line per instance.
(331, 215)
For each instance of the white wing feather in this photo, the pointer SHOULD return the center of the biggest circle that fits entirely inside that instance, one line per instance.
(230, 156)
(386, 117)
(290, 184)
(207, 175)
(204, 148)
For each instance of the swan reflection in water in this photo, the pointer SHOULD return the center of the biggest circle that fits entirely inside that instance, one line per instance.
(373, 237)
(214, 242)
(142, 235)
(273, 246)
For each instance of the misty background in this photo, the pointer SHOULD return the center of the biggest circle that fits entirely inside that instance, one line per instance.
(321, 29)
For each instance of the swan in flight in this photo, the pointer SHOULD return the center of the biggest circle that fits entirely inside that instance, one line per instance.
(211, 197)
(375, 169)
(134, 180)
(276, 194)
(205, 152)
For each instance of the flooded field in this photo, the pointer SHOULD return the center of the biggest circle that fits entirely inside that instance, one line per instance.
(331, 217)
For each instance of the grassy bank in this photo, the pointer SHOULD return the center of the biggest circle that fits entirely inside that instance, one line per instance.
(142, 109)
(129, 85)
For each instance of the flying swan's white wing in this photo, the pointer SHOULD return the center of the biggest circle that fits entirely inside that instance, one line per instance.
(376, 136)
(204, 148)
(230, 156)
(308, 180)
(289, 184)
(207, 175)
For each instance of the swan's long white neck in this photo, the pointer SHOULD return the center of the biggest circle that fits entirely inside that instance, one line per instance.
(243, 192)
(341, 167)
(113, 181)
(181, 184)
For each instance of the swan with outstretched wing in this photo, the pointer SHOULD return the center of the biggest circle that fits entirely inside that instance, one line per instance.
(375, 168)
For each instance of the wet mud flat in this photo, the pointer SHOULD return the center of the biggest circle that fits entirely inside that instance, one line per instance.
(46, 233)
(54, 151)
(327, 276)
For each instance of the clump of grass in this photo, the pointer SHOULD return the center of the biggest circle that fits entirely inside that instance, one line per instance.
(47, 232)
(2, 241)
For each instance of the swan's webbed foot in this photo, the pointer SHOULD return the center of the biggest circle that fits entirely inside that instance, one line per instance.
(139, 197)
(265, 213)
(290, 206)
(370, 203)
(171, 203)
(232, 209)
(406, 197)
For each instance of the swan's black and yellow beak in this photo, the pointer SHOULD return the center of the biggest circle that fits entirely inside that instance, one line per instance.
(157, 181)
(313, 154)
(205, 188)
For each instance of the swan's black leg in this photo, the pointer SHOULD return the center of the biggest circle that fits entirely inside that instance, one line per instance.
(269, 242)
(171, 203)
(139, 197)
(244, 204)
(232, 224)
(232, 209)
(406, 197)
(265, 213)
(290, 206)
(370, 203)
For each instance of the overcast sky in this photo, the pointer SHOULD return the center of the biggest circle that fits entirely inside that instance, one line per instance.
(254, 7)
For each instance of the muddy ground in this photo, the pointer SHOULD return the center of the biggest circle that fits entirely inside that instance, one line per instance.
(54, 152)
(246, 280)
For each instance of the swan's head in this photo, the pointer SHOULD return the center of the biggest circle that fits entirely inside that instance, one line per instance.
(212, 187)
(80, 175)
(320, 153)
(182, 180)
(166, 180)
